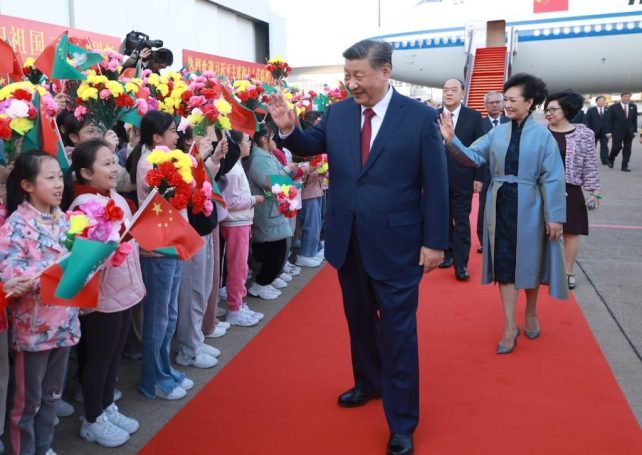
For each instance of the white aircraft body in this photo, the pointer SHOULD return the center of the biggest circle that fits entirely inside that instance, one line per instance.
(591, 46)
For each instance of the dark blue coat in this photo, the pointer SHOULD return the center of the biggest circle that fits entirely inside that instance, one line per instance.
(398, 201)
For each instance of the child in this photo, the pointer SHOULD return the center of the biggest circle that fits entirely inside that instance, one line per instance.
(39, 335)
(104, 331)
(236, 229)
(161, 274)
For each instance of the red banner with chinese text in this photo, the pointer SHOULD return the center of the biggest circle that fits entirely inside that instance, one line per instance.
(548, 6)
(228, 67)
(29, 38)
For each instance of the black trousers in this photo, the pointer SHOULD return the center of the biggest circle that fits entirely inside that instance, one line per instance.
(621, 143)
(271, 255)
(103, 337)
(460, 204)
(604, 148)
(480, 213)
(382, 321)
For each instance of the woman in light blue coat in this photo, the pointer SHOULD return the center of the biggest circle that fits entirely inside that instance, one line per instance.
(525, 206)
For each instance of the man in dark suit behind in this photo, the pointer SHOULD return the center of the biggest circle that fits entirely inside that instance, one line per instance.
(595, 119)
(494, 103)
(468, 127)
(621, 125)
(386, 223)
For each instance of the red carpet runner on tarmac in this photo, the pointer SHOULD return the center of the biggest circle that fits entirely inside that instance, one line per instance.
(555, 395)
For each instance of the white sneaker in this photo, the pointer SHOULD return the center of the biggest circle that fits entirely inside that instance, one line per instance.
(223, 324)
(128, 424)
(187, 384)
(209, 350)
(176, 394)
(286, 277)
(292, 269)
(201, 360)
(56, 421)
(320, 254)
(49, 452)
(241, 318)
(80, 399)
(278, 283)
(266, 292)
(254, 314)
(218, 332)
(222, 293)
(103, 432)
(64, 409)
(307, 261)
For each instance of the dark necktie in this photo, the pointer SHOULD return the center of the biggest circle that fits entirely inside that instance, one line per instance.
(366, 134)
(601, 112)
(495, 122)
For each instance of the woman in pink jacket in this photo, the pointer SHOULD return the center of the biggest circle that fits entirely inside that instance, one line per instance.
(104, 331)
(577, 146)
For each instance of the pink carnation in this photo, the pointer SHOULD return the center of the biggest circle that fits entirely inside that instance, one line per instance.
(142, 105)
(80, 112)
(208, 207)
(104, 94)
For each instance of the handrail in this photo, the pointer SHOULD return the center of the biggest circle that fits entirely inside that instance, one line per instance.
(510, 49)
(468, 67)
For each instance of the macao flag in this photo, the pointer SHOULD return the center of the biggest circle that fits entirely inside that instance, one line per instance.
(547, 6)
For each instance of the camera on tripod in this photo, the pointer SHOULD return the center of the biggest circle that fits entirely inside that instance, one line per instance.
(135, 41)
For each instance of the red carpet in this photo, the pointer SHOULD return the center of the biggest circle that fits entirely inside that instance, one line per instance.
(555, 395)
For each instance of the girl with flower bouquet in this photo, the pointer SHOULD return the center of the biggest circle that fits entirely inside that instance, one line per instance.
(40, 335)
(104, 331)
(197, 279)
(161, 274)
(270, 229)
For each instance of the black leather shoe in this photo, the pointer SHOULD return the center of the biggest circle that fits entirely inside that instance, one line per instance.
(605, 163)
(626, 169)
(610, 164)
(461, 273)
(480, 250)
(400, 445)
(448, 262)
(354, 398)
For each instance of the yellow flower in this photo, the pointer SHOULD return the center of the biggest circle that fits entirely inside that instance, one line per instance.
(85, 92)
(115, 88)
(222, 106)
(241, 85)
(224, 122)
(158, 157)
(276, 59)
(8, 90)
(153, 79)
(195, 117)
(41, 89)
(131, 87)
(21, 125)
(77, 224)
(163, 89)
(29, 62)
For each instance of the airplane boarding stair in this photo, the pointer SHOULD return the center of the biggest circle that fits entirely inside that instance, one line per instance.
(488, 75)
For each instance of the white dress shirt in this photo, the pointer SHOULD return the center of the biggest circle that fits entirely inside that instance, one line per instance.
(380, 112)
(454, 115)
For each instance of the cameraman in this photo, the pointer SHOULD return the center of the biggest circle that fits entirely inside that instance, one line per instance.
(152, 60)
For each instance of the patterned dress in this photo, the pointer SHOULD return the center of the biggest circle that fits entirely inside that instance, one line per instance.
(505, 258)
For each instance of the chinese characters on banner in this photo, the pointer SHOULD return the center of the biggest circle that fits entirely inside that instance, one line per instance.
(29, 38)
(222, 66)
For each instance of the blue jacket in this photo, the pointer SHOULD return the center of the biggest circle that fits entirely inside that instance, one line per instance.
(398, 201)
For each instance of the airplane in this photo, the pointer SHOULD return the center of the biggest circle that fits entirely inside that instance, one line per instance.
(590, 46)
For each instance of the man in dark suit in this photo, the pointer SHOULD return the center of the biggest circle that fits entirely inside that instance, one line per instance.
(621, 125)
(468, 127)
(386, 223)
(494, 103)
(595, 119)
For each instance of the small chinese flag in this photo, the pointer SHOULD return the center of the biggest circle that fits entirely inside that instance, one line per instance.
(242, 118)
(160, 228)
(9, 62)
(548, 6)
(86, 298)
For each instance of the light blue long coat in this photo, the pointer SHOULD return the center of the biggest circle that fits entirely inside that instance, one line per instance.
(541, 199)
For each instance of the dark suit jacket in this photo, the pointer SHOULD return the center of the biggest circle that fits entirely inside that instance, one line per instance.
(596, 122)
(468, 129)
(398, 201)
(619, 125)
(487, 125)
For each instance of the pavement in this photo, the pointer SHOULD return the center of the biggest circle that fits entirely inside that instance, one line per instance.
(609, 291)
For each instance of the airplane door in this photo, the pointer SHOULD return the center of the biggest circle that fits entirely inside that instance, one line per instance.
(495, 33)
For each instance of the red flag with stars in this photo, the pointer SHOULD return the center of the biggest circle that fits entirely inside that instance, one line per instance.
(160, 228)
(548, 6)
(10, 63)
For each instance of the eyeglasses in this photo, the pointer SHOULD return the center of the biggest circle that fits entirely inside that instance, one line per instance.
(552, 110)
(494, 102)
